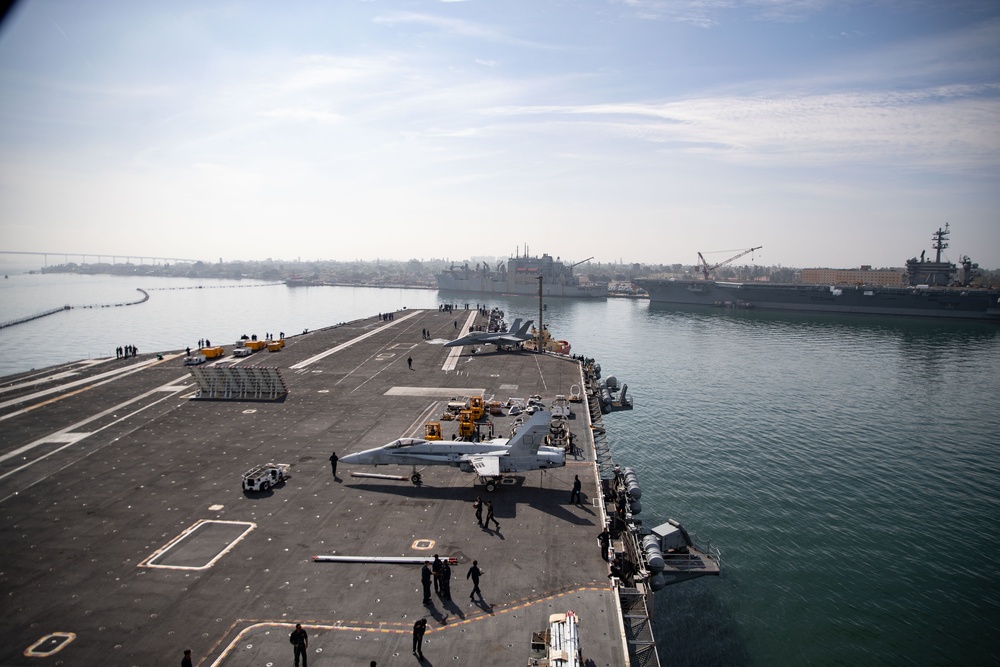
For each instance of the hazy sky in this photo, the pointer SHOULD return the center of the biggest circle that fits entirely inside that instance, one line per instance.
(831, 132)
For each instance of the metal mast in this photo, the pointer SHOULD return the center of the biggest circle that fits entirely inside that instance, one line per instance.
(940, 241)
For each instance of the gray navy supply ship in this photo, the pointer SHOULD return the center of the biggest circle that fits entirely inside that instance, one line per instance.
(930, 290)
(519, 276)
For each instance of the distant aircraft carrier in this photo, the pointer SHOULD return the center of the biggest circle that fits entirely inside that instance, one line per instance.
(927, 293)
(128, 537)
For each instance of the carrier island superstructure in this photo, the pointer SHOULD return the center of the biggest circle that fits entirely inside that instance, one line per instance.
(129, 536)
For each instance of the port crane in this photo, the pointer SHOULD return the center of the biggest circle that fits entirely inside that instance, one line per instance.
(705, 268)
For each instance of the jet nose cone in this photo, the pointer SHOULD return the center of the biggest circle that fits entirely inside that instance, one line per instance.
(353, 458)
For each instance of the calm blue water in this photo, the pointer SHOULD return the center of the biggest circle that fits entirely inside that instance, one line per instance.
(848, 468)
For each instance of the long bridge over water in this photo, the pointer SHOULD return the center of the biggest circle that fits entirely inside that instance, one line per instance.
(100, 258)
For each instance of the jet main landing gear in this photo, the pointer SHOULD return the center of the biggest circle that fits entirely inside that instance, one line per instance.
(491, 483)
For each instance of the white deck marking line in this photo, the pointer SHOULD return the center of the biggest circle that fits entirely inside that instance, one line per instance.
(188, 533)
(116, 374)
(416, 428)
(338, 348)
(67, 437)
(48, 378)
(57, 436)
(444, 392)
(73, 368)
(541, 375)
(451, 363)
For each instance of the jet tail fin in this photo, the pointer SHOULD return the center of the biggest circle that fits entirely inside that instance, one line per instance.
(523, 331)
(531, 435)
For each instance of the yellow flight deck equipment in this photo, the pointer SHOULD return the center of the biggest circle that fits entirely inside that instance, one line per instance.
(466, 424)
(477, 407)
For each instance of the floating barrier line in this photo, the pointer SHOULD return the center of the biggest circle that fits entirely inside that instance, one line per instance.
(36, 316)
(53, 311)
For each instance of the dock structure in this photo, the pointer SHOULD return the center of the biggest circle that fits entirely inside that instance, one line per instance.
(128, 537)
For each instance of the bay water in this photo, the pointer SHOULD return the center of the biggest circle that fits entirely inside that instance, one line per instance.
(847, 467)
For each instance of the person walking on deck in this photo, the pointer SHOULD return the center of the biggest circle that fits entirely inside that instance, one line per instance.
(474, 574)
(489, 515)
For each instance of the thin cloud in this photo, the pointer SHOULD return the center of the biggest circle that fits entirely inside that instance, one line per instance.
(457, 27)
(320, 71)
(708, 13)
(322, 117)
(947, 127)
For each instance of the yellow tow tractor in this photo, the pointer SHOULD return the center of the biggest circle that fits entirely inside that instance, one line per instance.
(477, 406)
(466, 424)
(432, 431)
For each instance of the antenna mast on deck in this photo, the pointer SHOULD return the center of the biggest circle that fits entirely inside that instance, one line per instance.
(940, 241)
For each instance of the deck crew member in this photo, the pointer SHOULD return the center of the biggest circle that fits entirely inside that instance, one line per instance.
(574, 497)
(300, 641)
(474, 574)
(436, 569)
(418, 637)
(425, 580)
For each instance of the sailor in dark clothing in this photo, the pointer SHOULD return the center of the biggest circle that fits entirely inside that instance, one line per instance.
(445, 580)
(418, 637)
(479, 510)
(425, 578)
(574, 497)
(333, 463)
(300, 640)
(474, 574)
(489, 515)
(436, 569)
(605, 540)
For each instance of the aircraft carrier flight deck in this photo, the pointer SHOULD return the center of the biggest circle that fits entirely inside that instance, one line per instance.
(129, 537)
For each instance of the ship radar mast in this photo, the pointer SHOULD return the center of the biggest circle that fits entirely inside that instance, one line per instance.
(940, 238)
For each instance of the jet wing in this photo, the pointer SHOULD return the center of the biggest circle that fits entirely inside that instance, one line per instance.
(486, 466)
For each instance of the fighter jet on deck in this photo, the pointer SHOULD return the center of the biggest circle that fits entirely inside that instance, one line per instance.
(491, 459)
(517, 333)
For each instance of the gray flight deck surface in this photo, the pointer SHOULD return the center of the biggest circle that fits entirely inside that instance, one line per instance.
(128, 537)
